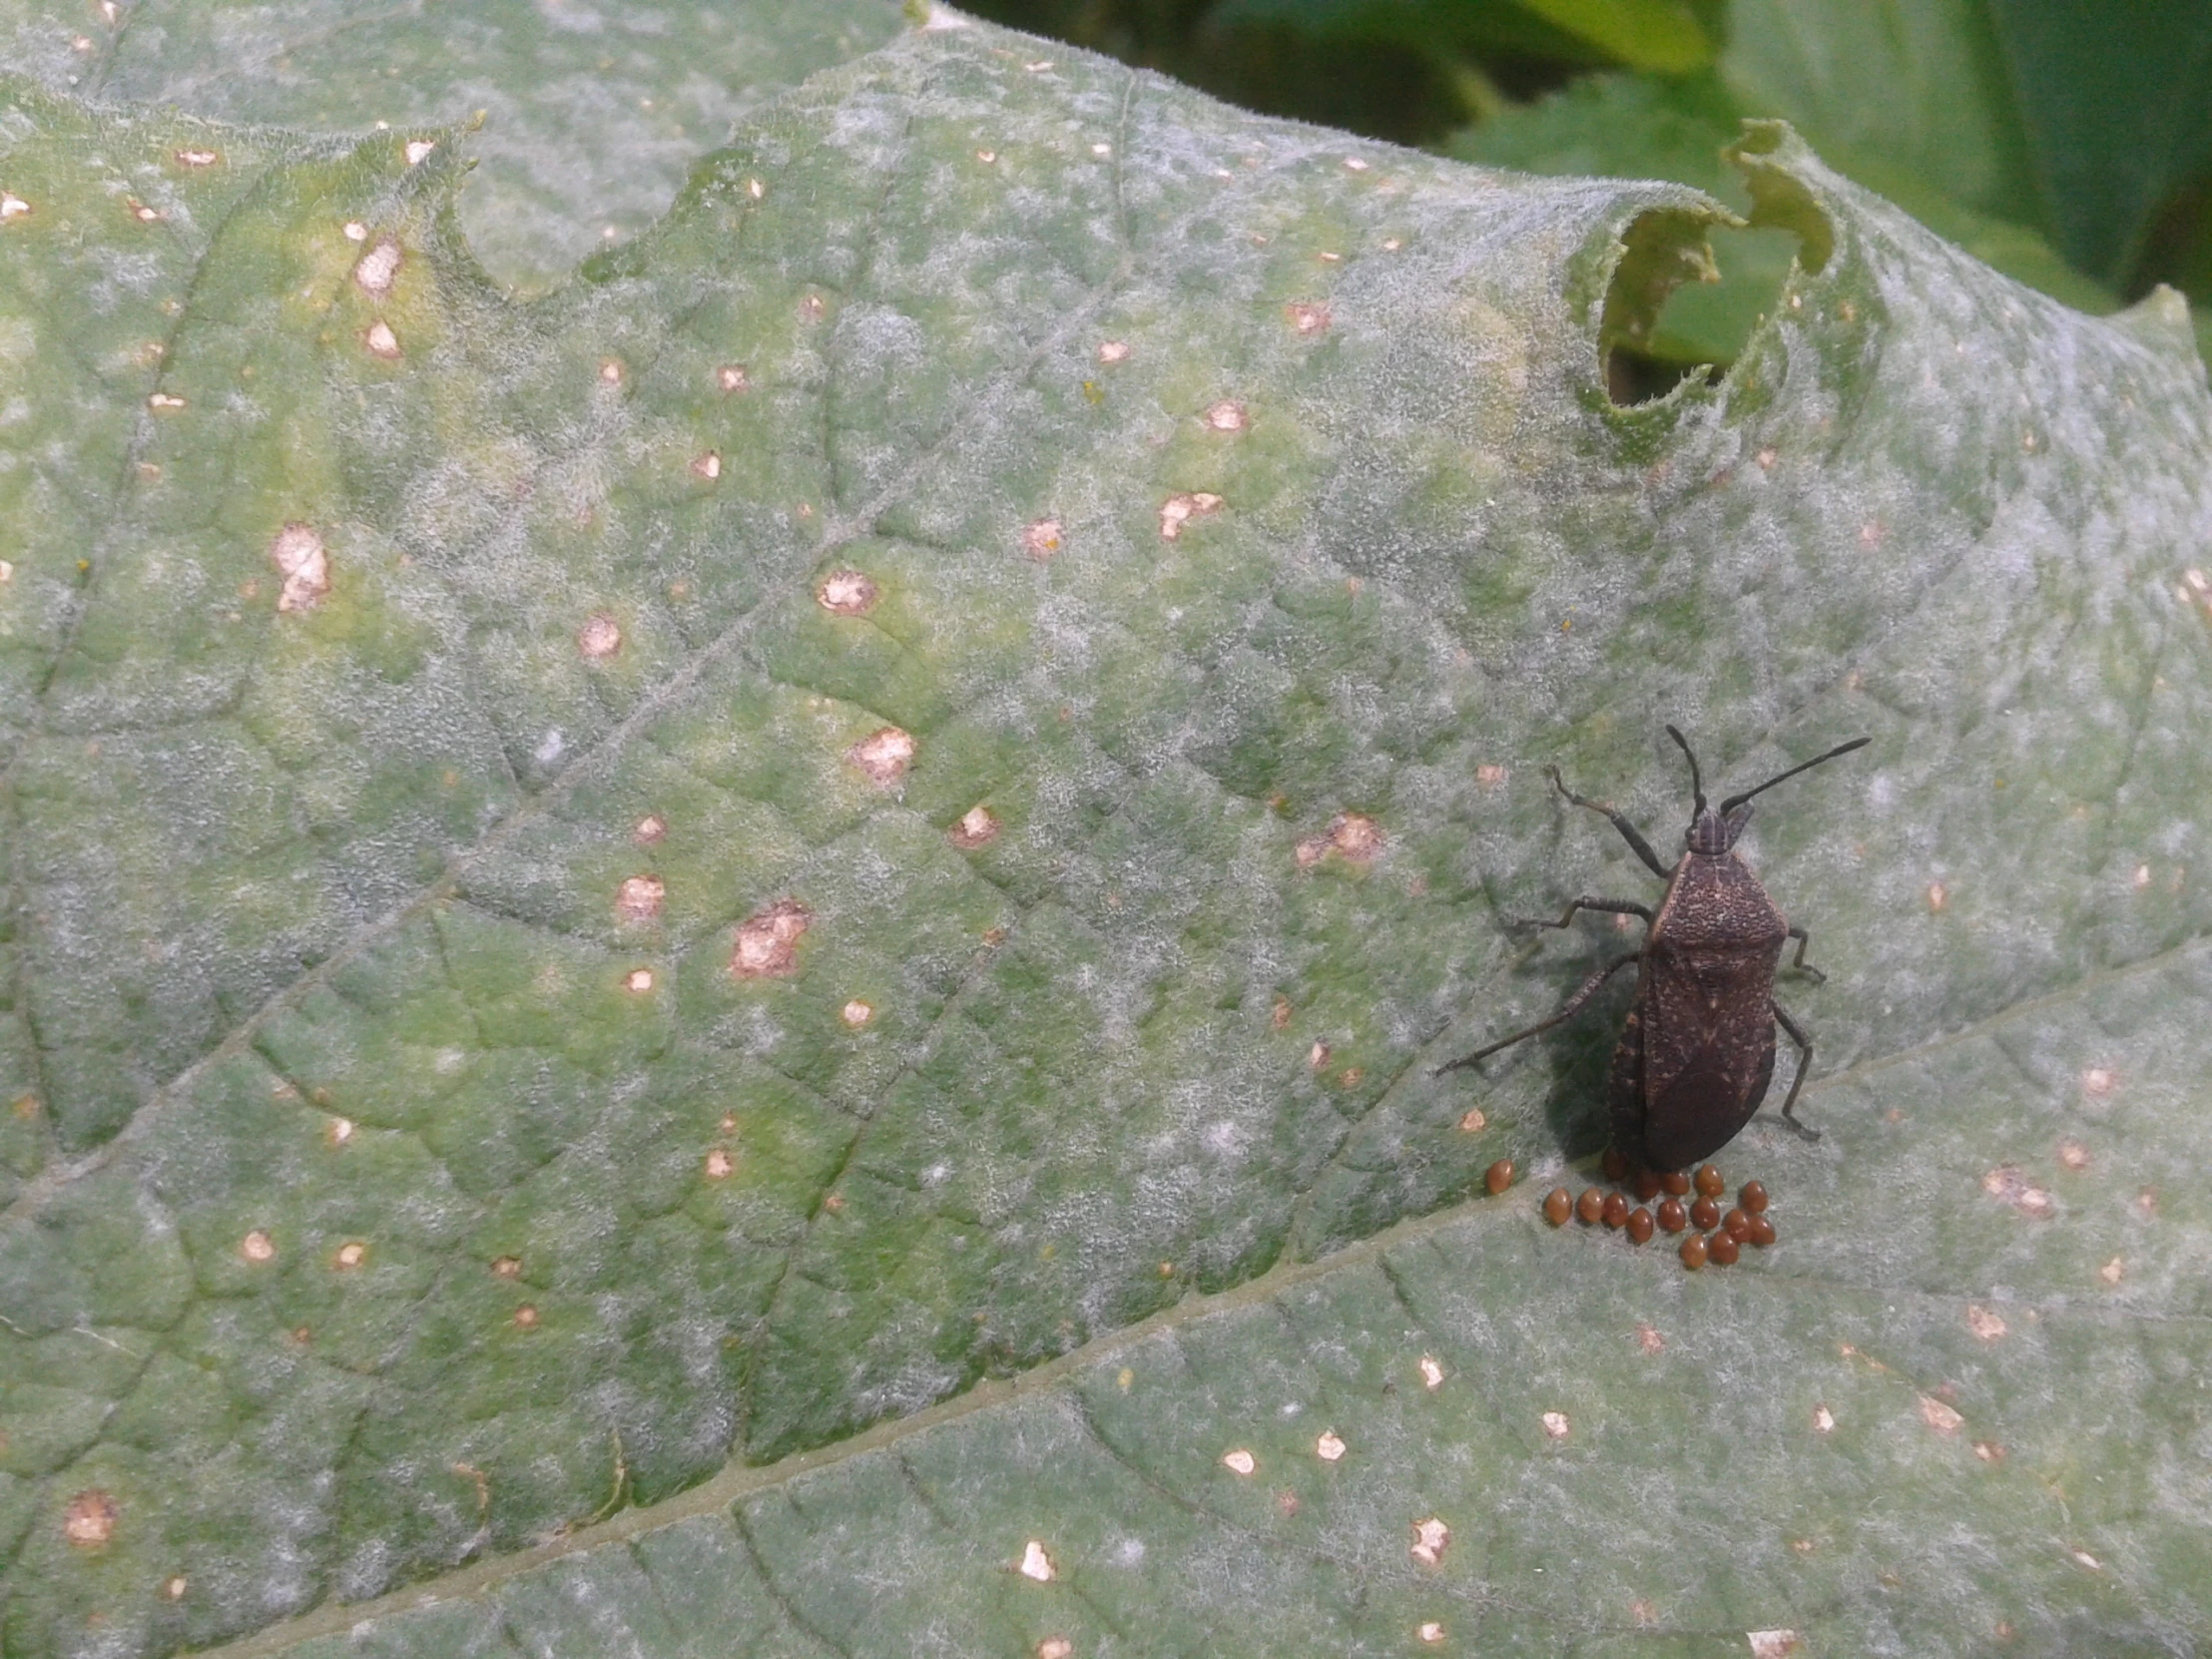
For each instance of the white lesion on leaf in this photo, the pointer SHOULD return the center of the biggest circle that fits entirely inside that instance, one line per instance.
(305, 564)
(378, 269)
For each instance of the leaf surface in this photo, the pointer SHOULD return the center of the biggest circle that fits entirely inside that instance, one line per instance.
(915, 771)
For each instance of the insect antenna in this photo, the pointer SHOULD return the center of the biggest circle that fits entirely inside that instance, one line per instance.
(1697, 786)
(1735, 800)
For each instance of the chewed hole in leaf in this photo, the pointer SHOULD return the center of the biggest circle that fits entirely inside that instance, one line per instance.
(1685, 298)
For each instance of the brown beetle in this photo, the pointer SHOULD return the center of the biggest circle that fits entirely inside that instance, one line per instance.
(1698, 1052)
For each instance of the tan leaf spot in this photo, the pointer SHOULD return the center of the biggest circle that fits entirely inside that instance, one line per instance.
(1318, 1056)
(847, 593)
(987, 157)
(1390, 245)
(766, 943)
(1239, 1461)
(637, 980)
(1179, 511)
(1042, 539)
(1489, 777)
(1983, 1324)
(1036, 1564)
(2088, 1561)
(2074, 1155)
(506, 1266)
(707, 467)
(1939, 1417)
(731, 378)
(600, 636)
(196, 157)
(1472, 1122)
(1279, 1015)
(351, 1255)
(257, 1245)
(341, 1131)
(1988, 1451)
(638, 899)
(1056, 1647)
(12, 206)
(418, 149)
(1937, 898)
(2007, 1185)
(174, 1586)
(381, 342)
(377, 267)
(90, 1519)
(526, 1317)
(142, 213)
(1431, 1372)
(719, 1165)
(355, 231)
(1556, 1426)
(1328, 1448)
(1226, 417)
(883, 754)
(1773, 1644)
(1308, 320)
(1431, 1539)
(857, 1013)
(301, 560)
(978, 826)
(1113, 352)
(649, 829)
(1649, 1339)
(2113, 1271)
(2098, 1081)
(1431, 1632)
(2141, 878)
(1824, 1420)
(164, 401)
(610, 371)
(813, 308)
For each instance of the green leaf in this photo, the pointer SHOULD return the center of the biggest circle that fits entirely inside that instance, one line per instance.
(502, 1037)
(592, 114)
(2111, 102)
(1662, 36)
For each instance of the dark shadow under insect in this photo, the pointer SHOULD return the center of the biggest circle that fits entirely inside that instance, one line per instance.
(1697, 1054)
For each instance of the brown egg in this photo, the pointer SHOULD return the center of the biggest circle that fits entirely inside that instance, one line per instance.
(1693, 1253)
(1705, 1215)
(1614, 1163)
(1616, 1210)
(1762, 1232)
(1735, 1224)
(1591, 1204)
(1558, 1206)
(1672, 1216)
(1639, 1225)
(1722, 1249)
(1673, 1182)
(1710, 1181)
(1753, 1197)
(1647, 1186)
(1499, 1174)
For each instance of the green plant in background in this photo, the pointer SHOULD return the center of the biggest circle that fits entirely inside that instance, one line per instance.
(2064, 142)
(744, 958)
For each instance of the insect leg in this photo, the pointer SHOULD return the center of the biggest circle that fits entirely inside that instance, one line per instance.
(1619, 907)
(1629, 832)
(1799, 963)
(1803, 1065)
(1572, 1007)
